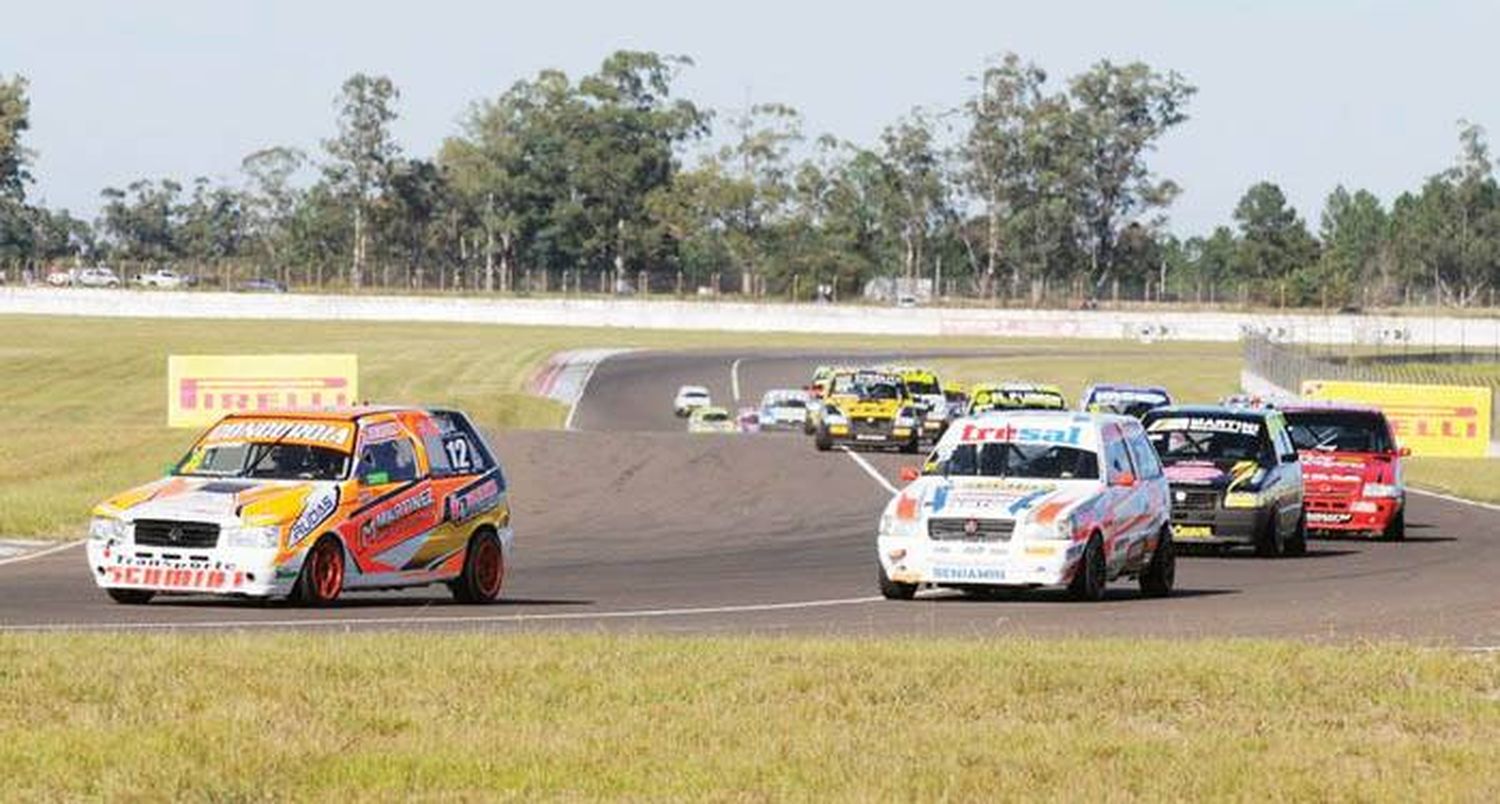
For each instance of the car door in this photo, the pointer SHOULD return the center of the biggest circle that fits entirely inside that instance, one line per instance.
(396, 510)
(1126, 507)
(1288, 473)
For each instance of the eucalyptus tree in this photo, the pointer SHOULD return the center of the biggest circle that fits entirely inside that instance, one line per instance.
(362, 153)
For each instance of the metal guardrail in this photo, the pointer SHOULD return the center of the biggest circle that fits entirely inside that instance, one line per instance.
(1288, 365)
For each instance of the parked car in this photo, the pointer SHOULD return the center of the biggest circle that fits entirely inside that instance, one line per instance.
(259, 285)
(165, 279)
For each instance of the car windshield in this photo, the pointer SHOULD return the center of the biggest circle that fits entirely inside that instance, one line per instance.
(1040, 461)
(1208, 439)
(923, 387)
(715, 416)
(265, 461)
(878, 392)
(695, 394)
(1339, 431)
(787, 403)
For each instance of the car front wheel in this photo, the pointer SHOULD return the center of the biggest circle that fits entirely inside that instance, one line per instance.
(1088, 581)
(130, 597)
(891, 590)
(322, 578)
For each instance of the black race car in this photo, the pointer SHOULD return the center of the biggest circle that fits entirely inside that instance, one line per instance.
(1235, 477)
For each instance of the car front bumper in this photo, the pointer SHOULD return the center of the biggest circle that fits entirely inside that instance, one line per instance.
(251, 572)
(944, 563)
(1221, 526)
(1329, 514)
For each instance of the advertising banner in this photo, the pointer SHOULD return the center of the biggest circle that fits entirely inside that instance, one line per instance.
(1439, 420)
(203, 388)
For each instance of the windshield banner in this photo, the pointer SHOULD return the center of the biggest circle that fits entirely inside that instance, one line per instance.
(201, 389)
(1450, 421)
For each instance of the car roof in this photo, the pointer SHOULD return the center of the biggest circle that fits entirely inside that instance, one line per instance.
(1125, 386)
(688, 389)
(1327, 406)
(346, 413)
(1212, 410)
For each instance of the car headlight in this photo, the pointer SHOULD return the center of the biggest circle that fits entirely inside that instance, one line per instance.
(105, 528)
(899, 528)
(1382, 490)
(262, 538)
(835, 418)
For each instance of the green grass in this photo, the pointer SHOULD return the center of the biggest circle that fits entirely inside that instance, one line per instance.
(1193, 372)
(1470, 478)
(484, 716)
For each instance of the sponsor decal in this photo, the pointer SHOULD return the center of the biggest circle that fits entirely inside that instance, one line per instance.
(1327, 518)
(373, 527)
(323, 434)
(176, 577)
(202, 388)
(473, 501)
(382, 431)
(1205, 424)
(1437, 420)
(942, 573)
(1193, 472)
(320, 505)
(974, 434)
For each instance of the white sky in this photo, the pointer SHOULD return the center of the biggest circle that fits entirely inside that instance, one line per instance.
(1307, 94)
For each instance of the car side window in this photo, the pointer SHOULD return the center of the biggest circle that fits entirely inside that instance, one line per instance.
(1144, 455)
(1117, 457)
(391, 461)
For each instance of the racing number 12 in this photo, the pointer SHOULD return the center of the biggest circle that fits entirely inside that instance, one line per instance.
(458, 453)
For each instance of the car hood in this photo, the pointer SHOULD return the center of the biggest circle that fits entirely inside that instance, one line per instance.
(1037, 501)
(1335, 469)
(253, 502)
(1210, 474)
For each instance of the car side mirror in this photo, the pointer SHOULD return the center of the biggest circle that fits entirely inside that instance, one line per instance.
(1404, 452)
(1125, 480)
(910, 473)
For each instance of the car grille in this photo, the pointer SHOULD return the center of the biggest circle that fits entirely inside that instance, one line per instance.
(1194, 500)
(166, 533)
(870, 425)
(1335, 505)
(957, 530)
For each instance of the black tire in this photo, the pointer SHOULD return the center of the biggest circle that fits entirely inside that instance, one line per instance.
(319, 583)
(1161, 573)
(130, 597)
(822, 442)
(484, 570)
(1395, 530)
(891, 590)
(1089, 582)
(1268, 542)
(913, 446)
(1296, 544)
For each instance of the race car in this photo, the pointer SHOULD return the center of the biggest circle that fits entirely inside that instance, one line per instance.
(957, 397)
(927, 392)
(712, 420)
(689, 398)
(1235, 477)
(1127, 400)
(1031, 500)
(1351, 469)
(749, 420)
(309, 504)
(985, 397)
(867, 409)
(784, 408)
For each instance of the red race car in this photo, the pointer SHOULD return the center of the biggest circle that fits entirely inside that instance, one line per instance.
(1351, 469)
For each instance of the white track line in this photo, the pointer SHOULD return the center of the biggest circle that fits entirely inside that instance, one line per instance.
(870, 470)
(583, 388)
(734, 380)
(1450, 498)
(448, 620)
(38, 554)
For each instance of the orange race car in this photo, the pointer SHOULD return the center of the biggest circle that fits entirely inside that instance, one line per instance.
(307, 504)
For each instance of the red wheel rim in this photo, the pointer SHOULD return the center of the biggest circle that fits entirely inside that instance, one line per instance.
(328, 571)
(489, 567)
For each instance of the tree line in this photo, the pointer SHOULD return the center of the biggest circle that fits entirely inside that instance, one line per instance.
(1031, 190)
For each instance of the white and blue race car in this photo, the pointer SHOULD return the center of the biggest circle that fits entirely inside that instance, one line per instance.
(1031, 499)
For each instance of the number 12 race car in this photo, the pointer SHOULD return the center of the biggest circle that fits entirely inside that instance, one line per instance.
(308, 504)
(1028, 500)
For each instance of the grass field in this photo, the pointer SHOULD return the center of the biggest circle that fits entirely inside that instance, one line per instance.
(483, 716)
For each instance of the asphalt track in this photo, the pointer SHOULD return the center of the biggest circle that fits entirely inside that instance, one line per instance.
(628, 523)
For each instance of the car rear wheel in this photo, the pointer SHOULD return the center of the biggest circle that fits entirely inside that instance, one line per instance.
(1268, 543)
(484, 570)
(1395, 530)
(1161, 573)
(1296, 544)
(130, 597)
(1088, 581)
(322, 578)
(891, 590)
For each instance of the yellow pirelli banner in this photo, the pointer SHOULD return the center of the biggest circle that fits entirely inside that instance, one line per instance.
(1440, 420)
(203, 388)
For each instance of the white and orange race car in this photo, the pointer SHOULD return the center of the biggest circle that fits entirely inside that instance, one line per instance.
(308, 504)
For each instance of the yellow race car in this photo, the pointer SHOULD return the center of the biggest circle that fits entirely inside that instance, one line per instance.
(868, 409)
(984, 397)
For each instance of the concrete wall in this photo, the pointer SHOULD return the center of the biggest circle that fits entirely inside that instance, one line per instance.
(749, 317)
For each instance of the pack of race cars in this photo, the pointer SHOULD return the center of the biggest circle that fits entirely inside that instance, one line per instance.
(1017, 489)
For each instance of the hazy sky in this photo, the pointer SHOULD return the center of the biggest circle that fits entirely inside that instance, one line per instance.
(1308, 94)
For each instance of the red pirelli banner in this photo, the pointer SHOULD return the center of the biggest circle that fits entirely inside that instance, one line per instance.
(203, 388)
